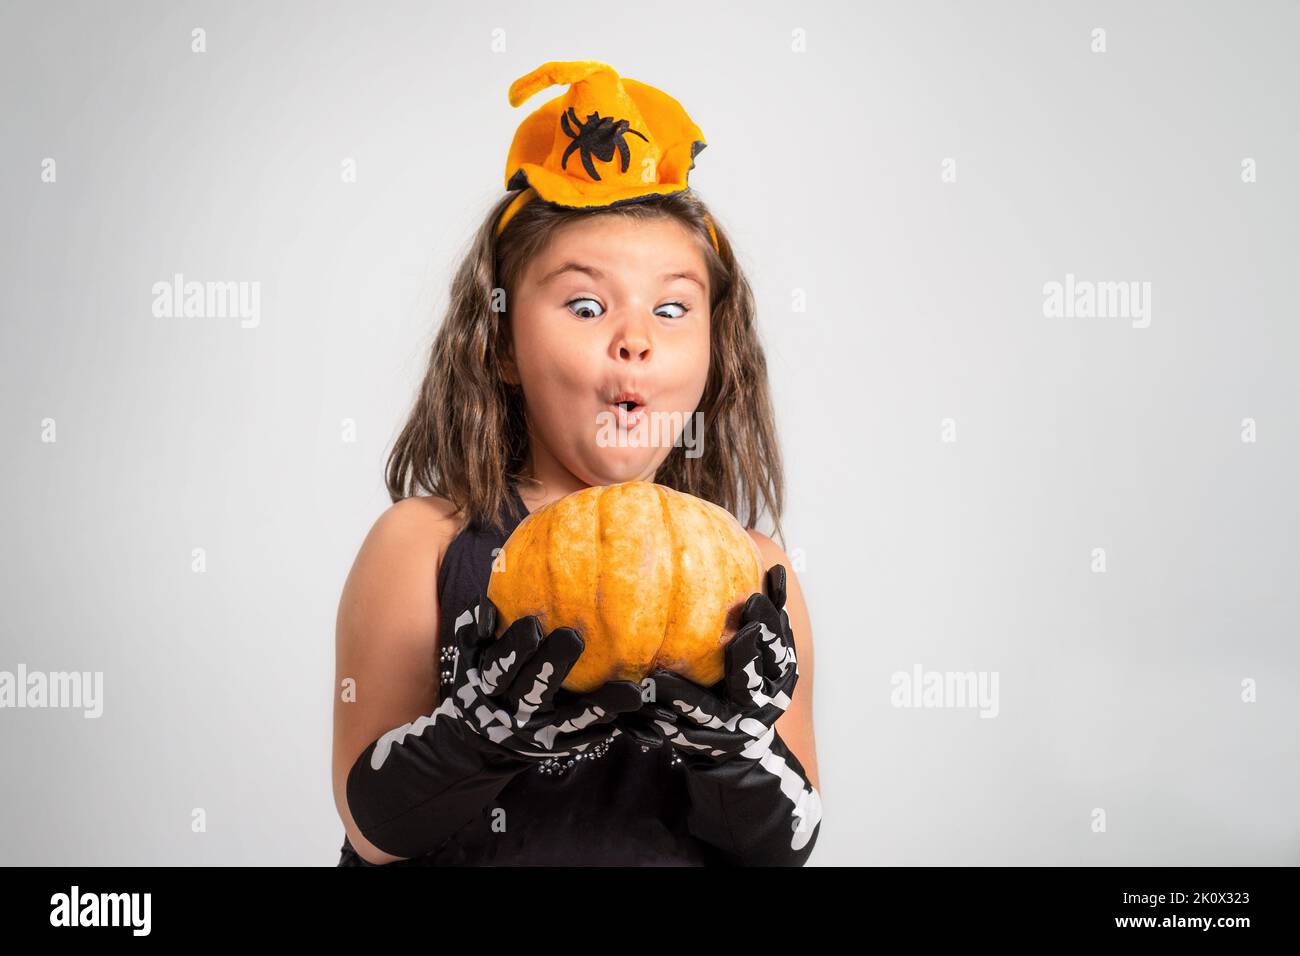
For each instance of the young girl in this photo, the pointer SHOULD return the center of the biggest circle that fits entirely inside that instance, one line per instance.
(598, 291)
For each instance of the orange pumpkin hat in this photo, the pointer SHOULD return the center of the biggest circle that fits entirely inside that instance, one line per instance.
(608, 140)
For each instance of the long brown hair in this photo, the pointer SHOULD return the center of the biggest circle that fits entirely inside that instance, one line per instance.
(467, 435)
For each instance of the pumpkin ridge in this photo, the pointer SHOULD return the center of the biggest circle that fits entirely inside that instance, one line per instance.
(670, 617)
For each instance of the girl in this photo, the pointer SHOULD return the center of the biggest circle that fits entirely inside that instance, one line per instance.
(599, 290)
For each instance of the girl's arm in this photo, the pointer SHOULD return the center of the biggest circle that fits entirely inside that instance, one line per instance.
(385, 639)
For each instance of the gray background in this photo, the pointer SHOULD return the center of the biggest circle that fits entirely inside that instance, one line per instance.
(925, 301)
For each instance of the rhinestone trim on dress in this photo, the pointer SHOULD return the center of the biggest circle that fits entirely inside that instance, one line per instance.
(559, 766)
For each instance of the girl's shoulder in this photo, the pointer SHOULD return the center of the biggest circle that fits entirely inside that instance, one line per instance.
(387, 600)
(771, 552)
(428, 519)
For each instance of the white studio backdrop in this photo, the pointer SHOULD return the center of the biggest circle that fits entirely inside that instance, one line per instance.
(1090, 510)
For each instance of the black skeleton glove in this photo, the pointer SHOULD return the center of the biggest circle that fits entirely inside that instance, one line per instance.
(750, 796)
(502, 710)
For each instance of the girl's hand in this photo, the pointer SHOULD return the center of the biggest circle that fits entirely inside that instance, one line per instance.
(736, 717)
(508, 690)
(504, 710)
(750, 797)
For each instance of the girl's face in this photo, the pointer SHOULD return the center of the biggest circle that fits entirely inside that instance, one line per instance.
(611, 308)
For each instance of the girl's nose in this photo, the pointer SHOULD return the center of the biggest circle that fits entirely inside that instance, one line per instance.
(634, 349)
(633, 342)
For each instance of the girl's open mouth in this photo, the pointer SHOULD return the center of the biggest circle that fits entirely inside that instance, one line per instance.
(628, 406)
(629, 413)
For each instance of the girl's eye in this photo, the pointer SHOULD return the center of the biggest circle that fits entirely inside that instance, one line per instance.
(586, 308)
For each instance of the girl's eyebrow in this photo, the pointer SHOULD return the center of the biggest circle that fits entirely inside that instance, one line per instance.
(691, 276)
(572, 267)
(595, 273)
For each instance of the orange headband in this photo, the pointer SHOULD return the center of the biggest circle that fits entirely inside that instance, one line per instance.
(608, 140)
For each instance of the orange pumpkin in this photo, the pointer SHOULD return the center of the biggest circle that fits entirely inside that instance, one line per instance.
(650, 577)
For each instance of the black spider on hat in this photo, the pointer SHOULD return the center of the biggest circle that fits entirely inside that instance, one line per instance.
(598, 136)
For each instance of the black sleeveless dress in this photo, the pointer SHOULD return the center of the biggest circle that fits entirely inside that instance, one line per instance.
(624, 807)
